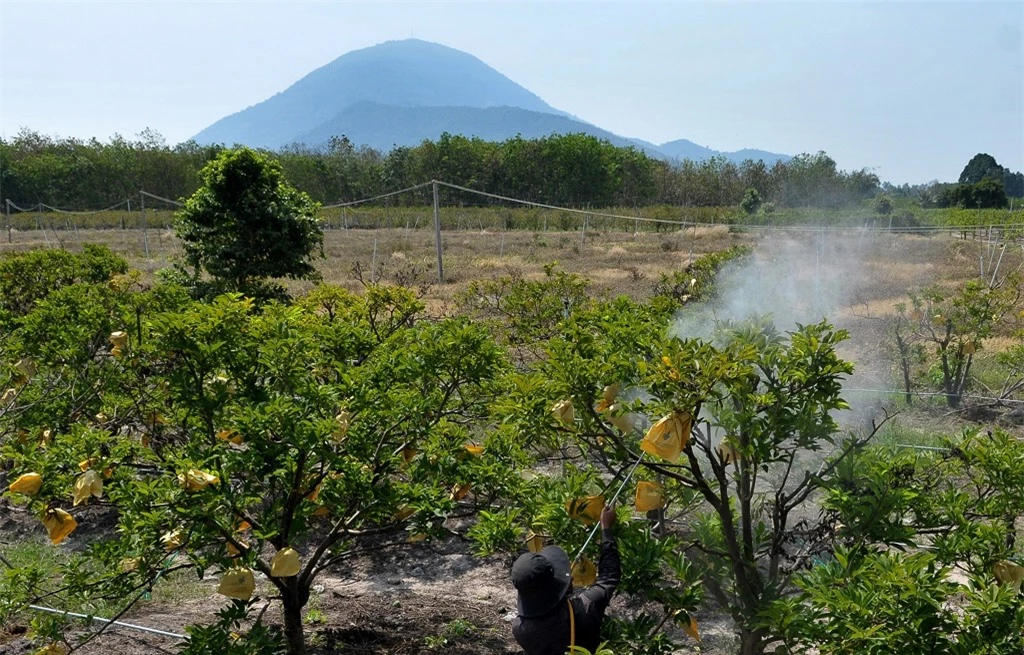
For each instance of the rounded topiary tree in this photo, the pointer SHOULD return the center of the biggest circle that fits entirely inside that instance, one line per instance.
(751, 201)
(246, 224)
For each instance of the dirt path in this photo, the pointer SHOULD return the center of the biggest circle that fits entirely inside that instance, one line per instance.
(420, 599)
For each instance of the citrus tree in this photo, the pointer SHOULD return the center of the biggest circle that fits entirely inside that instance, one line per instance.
(953, 324)
(733, 435)
(235, 440)
(743, 434)
(928, 559)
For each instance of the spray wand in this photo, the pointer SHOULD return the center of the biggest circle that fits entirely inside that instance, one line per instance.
(597, 525)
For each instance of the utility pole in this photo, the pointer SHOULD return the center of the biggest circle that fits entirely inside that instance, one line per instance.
(437, 234)
(145, 235)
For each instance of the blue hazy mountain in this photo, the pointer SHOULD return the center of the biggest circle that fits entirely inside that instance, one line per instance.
(385, 126)
(685, 149)
(399, 93)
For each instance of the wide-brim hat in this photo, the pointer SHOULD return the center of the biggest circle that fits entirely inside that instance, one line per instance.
(541, 580)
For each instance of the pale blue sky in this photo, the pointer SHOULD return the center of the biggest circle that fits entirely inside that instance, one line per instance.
(910, 90)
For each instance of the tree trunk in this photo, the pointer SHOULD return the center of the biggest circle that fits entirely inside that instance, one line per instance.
(751, 642)
(906, 381)
(293, 631)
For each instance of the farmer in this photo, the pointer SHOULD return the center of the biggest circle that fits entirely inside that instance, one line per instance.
(551, 614)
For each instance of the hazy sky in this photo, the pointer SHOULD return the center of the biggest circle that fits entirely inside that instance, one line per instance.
(910, 90)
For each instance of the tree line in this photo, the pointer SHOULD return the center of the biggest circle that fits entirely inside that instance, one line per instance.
(575, 170)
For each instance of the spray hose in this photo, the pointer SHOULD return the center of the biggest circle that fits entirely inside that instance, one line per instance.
(98, 619)
(597, 526)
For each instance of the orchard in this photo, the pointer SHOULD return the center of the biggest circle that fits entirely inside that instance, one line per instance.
(210, 422)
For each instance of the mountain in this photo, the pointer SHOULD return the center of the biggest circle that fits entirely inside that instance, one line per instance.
(684, 149)
(384, 126)
(399, 93)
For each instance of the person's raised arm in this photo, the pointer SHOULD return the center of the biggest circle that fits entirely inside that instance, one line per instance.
(609, 570)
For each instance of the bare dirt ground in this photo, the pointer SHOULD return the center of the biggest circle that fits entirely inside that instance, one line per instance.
(414, 599)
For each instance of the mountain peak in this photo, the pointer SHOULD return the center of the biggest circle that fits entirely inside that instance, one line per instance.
(402, 92)
(405, 73)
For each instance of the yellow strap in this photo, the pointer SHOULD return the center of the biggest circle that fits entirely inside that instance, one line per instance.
(572, 626)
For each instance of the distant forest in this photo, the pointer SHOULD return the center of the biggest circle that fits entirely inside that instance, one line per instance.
(571, 170)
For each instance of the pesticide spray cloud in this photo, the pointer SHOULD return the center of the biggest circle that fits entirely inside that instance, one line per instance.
(796, 278)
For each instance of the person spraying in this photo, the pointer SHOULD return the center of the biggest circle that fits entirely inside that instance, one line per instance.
(552, 615)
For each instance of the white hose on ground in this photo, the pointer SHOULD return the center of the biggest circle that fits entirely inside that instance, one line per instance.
(98, 619)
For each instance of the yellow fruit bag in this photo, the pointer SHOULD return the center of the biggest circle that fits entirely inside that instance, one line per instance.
(649, 496)
(28, 484)
(587, 509)
(564, 412)
(667, 438)
(584, 573)
(237, 583)
(285, 563)
(59, 524)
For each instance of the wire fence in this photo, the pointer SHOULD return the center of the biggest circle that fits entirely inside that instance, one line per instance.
(465, 208)
(424, 217)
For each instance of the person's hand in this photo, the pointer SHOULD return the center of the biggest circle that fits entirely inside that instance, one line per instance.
(607, 517)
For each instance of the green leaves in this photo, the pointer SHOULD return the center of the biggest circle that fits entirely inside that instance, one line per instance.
(246, 402)
(881, 603)
(246, 224)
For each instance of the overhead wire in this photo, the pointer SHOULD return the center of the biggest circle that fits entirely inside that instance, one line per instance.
(82, 212)
(745, 226)
(161, 198)
(379, 197)
(682, 224)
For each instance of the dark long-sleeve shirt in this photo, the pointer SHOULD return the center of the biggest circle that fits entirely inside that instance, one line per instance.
(549, 634)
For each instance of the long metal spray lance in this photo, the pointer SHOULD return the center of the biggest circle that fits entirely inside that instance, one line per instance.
(597, 526)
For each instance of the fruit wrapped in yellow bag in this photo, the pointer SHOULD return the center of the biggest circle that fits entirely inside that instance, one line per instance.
(649, 496)
(129, 564)
(1008, 573)
(343, 419)
(119, 339)
(587, 509)
(459, 491)
(196, 480)
(28, 484)
(59, 524)
(285, 563)
(624, 422)
(237, 583)
(563, 411)
(584, 573)
(608, 396)
(173, 539)
(534, 542)
(231, 436)
(86, 485)
(728, 453)
(668, 437)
